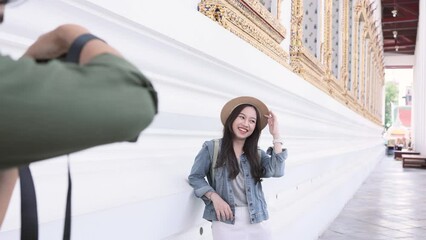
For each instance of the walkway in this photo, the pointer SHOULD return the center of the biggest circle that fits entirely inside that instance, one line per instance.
(391, 204)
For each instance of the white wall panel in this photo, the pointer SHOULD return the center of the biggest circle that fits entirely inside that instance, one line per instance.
(419, 85)
(139, 191)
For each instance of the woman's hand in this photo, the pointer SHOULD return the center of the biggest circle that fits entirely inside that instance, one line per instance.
(273, 125)
(223, 210)
(275, 131)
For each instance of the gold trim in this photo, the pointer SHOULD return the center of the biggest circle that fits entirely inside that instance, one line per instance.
(327, 53)
(318, 71)
(279, 9)
(344, 74)
(263, 12)
(251, 21)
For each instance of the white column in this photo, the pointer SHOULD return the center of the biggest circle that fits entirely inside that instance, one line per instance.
(419, 106)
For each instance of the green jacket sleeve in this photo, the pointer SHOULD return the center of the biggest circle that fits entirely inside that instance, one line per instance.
(56, 108)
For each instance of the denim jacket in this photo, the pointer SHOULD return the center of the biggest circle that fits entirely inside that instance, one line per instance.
(274, 167)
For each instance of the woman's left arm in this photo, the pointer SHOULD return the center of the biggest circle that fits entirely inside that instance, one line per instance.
(275, 132)
(274, 164)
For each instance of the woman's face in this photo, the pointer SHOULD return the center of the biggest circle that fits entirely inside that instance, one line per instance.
(245, 123)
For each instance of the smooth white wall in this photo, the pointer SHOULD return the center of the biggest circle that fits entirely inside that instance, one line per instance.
(399, 61)
(419, 85)
(139, 191)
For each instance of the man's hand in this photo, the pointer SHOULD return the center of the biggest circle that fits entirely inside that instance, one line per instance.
(56, 43)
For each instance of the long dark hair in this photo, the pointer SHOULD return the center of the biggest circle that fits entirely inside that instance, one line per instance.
(227, 156)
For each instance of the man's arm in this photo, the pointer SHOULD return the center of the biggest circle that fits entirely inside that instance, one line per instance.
(56, 108)
(57, 42)
(8, 179)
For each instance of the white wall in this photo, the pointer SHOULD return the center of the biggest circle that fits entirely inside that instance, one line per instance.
(139, 191)
(399, 61)
(419, 85)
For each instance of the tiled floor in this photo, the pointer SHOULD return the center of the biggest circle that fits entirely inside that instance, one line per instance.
(391, 204)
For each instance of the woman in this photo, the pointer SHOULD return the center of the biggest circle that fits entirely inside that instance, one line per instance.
(234, 199)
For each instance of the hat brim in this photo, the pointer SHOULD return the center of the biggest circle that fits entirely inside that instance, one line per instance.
(233, 103)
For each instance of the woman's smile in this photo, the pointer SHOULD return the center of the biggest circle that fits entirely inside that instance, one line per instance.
(244, 125)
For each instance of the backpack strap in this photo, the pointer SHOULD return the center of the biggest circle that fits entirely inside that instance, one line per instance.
(214, 160)
(215, 155)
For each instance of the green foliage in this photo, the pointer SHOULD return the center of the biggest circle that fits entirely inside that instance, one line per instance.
(391, 98)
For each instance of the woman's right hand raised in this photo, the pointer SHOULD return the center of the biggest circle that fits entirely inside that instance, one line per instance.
(222, 208)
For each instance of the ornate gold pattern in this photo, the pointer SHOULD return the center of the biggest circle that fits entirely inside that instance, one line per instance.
(344, 72)
(327, 39)
(252, 22)
(264, 14)
(367, 61)
(279, 9)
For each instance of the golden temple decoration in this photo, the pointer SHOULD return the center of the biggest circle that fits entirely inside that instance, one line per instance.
(366, 66)
(251, 21)
(361, 68)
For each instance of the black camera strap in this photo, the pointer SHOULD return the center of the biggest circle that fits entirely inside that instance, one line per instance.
(29, 216)
(67, 224)
(76, 47)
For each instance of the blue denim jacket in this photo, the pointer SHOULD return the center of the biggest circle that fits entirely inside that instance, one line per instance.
(274, 167)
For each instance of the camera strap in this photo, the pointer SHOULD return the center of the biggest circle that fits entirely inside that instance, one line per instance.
(29, 216)
(67, 223)
(76, 47)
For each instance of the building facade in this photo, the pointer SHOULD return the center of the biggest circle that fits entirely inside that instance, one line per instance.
(317, 64)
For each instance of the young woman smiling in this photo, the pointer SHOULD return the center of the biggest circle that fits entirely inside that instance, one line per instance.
(233, 196)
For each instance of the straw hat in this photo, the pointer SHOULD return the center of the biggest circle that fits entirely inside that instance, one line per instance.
(233, 103)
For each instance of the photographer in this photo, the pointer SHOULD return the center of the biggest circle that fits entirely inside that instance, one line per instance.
(49, 107)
